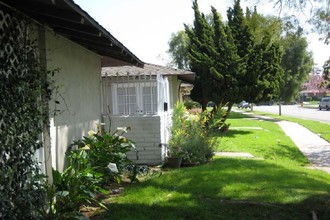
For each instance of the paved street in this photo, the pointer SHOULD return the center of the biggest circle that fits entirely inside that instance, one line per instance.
(297, 111)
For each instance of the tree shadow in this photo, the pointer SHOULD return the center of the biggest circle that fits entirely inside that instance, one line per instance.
(292, 153)
(321, 158)
(230, 133)
(229, 188)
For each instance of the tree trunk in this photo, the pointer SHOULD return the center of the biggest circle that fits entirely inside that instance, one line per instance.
(279, 108)
(204, 100)
(225, 116)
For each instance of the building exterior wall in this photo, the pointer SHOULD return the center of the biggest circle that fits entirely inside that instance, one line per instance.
(150, 132)
(174, 84)
(78, 92)
(145, 132)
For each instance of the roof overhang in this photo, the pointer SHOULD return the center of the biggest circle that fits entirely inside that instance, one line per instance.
(69, 20)
(149, 69)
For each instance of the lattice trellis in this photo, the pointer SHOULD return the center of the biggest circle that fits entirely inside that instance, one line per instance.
(21, 87)
(8, 54)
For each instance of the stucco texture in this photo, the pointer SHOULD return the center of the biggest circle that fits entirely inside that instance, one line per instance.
(78, 93)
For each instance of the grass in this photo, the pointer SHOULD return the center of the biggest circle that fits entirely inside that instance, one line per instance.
(269, 143)
(274, 186)
(320, 128)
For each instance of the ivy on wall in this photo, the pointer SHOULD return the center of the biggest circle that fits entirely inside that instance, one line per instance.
(22, 87)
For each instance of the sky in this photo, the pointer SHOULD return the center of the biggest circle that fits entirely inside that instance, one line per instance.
(145, 26)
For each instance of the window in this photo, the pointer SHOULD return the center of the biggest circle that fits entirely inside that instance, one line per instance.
(149, 99)
(126, 100)
(134, 98)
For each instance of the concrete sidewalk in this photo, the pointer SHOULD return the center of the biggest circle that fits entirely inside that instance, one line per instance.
(315, 148)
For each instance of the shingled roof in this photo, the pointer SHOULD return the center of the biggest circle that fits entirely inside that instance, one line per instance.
(149, 69)
(69, 20)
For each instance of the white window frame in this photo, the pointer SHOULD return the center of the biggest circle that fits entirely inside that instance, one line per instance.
(139, 86)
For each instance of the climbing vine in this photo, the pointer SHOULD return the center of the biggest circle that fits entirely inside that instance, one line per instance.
(23, 90)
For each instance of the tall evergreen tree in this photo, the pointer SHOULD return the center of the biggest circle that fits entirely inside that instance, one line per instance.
(241, 33)
(201, 53)
(230, 64)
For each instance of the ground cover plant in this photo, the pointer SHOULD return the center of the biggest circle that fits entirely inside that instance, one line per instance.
(275, 185)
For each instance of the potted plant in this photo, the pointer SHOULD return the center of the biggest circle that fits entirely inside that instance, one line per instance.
(175, 152)
(188, 140)
(174, 160)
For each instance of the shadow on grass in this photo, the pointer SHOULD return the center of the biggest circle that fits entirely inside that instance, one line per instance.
(230, 133)
(217, 209)
(235, 115)
(290, 153)
(228, 188)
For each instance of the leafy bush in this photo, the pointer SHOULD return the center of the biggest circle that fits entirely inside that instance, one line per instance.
(188, 136)
(103, 148)
(214, 120)
(191, 104)
(92, 162)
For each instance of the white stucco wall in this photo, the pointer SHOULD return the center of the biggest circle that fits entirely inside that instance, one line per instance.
(78, 82)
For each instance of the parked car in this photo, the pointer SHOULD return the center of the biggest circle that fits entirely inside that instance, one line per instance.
(325, 103)
(243, 104)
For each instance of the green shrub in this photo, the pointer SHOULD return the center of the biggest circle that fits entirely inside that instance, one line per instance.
(104, 148)
(213, 120)
(191, 104)
(188, 138)
(92, 162)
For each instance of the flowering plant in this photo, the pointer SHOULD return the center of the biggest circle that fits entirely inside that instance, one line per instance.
(188, 138)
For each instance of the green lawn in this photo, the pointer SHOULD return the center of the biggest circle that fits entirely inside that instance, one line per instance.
(320, 128)
(275, 185)
(269, 142)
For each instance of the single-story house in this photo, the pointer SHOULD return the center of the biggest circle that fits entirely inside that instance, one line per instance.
(142, 99)
(72, 41)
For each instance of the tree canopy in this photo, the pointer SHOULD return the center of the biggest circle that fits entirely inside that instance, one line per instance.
(229, 63)
(178, 49)
(297, 63)
(317, 11)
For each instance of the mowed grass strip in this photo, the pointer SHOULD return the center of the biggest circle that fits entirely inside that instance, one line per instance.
(270, 142)
(320, 128)
(276, 185)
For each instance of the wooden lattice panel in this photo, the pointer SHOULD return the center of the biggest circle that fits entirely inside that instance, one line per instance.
(12, 35)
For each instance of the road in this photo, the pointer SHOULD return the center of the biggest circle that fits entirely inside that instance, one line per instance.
(297, 111)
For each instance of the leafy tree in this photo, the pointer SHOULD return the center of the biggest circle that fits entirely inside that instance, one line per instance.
(297, 63)
(319, 16)
(326, 72)
(178, 49)
(317, 10)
